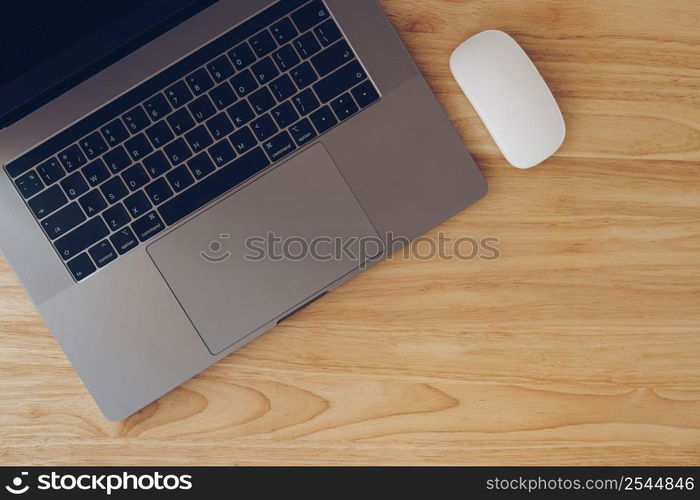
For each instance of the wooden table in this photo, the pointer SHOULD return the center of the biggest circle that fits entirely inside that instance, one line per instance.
(579, 345)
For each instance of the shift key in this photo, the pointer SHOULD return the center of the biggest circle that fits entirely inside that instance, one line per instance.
(340, 81)
(79, 239)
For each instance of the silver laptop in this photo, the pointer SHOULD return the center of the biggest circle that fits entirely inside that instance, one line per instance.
(177, 175)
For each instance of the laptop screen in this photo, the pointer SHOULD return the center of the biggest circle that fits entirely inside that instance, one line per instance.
(48, 46)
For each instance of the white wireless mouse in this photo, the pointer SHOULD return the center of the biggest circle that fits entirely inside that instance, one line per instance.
(510, 96)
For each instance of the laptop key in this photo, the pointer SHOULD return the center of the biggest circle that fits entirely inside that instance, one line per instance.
(158, 191)
(304, 75)
(220, 69)
(327, 32)
(178, 94)
(241, 113)
(92, 203)
(114, 190)
(116, 217)
(302, 132)
(344, 106)
(115, 132)
(159, 134)
(117, 159)
(365, 94)
(223, 95)
(135, 177)
(244, 83)
(198, 139)
(81, 267)
(263, 43)
(81, 238)
(177, 151)
(147, 226)
(180, 121)
(136, 120)
(306, 45)
(323, 119)
(279, 146)
(50, 171)
(263, 127)
(201, 166)
(157, 107)
(332, 58)
(306, 102)
(199, 81)
(222, 153)
(124, 240)
(262, 100)
(93, 145)
(285, 115)
(180, 178)
(103, 253)
(243, 140)
(202, 108)
(283, 31)
(47, 202)
(156, 164)
(286, 58)
(242, 56)
(283, 88)
(310, 15)
(74, 185)
(212, 187)
(138, 147)
(72, 158)
(220, 126)
(63, 221)
(137, 204)
(265, 70)
(96, 172)
(340, 81)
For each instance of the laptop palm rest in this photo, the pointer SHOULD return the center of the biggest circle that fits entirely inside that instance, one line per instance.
(263, 251)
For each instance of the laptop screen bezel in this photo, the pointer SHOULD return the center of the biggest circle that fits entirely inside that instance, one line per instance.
(93, 53)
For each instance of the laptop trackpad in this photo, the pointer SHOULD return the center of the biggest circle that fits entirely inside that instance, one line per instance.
(266, 249)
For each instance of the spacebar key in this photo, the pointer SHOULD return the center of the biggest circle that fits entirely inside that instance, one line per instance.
(213, 186)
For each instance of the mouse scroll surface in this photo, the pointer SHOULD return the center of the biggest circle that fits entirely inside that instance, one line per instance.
(510, 96)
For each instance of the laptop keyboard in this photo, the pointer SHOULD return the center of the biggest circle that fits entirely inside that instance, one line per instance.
(188, 135)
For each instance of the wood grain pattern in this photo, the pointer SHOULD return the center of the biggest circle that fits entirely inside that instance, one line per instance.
(580, 345)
